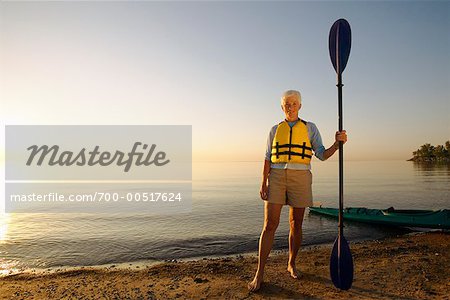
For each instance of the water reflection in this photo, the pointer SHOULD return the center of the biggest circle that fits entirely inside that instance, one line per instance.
(4, 223)
(432, 168)
(7, 266)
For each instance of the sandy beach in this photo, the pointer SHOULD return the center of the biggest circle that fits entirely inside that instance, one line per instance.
(413, 266)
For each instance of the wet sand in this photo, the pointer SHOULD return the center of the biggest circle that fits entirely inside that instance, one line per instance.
(414, 266)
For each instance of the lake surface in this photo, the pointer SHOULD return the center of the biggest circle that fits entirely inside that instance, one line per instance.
(226, 217)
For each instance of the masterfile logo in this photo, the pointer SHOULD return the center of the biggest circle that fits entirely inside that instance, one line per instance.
(98, 168)
(71, 152)
(91, 158)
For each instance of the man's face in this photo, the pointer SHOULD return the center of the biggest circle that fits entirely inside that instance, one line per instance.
(291, 106)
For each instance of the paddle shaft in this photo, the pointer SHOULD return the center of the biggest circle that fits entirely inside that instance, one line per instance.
(341, 261)
(341, 158)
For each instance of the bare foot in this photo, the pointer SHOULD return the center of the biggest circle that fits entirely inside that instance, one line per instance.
(255, 284)
(293, 271)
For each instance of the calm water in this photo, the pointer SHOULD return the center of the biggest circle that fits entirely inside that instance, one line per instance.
(226, 217)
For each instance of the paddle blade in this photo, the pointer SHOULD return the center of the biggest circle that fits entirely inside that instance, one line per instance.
(341, 264)
(339, 44)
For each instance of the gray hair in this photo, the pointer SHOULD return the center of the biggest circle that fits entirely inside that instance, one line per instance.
(291, 93)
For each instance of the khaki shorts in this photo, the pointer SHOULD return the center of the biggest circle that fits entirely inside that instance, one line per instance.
(291, 187)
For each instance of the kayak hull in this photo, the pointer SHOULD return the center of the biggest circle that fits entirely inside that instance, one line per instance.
(438, 219)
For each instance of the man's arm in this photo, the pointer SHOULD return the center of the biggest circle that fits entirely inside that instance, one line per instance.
(339, 137)
(265, 177)
(263, 192)
(330, 151)
(266, 171)
(316, 142)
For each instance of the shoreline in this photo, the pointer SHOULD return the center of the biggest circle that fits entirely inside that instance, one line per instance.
(411, 266)
(130, 265)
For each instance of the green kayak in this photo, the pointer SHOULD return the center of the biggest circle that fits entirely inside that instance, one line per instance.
(407, 218)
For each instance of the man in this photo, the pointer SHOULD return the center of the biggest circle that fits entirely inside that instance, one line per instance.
(287, 179)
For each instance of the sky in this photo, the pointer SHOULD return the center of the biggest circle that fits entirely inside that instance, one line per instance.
(222, 67)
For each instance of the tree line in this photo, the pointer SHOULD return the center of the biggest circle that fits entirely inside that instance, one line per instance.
(430, 153)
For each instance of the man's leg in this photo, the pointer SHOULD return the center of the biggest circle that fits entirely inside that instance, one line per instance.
(295, 237)
(271, 220)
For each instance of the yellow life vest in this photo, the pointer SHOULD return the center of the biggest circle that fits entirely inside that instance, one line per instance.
(291, 144)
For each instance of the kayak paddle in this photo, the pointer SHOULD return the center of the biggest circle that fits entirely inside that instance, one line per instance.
(341, 261)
